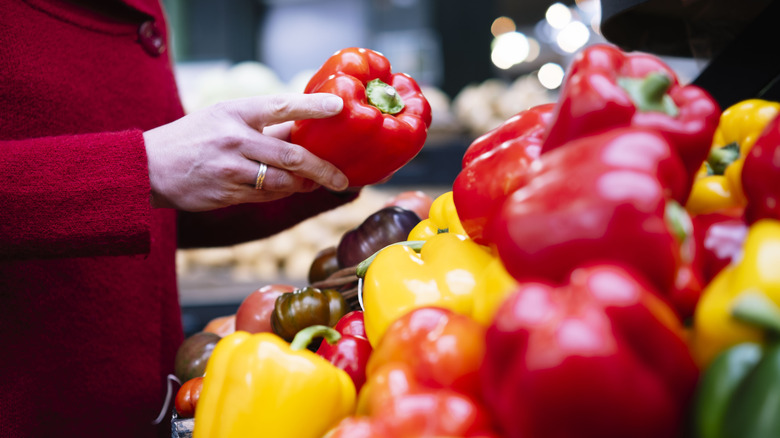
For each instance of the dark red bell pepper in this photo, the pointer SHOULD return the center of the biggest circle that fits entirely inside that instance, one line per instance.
(601, 356)
(761, 175)
(599, 198)
(606, 88)
(350, 350)
(384, 122)
(494, 164)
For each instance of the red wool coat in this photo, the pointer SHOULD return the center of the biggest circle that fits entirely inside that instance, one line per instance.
(89, 311)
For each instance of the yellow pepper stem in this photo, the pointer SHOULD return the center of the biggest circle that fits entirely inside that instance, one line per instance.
(753, 307)
(362, 267)
(304, 337)
(721, 158)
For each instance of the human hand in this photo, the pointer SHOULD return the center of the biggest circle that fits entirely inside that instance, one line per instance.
(210, 158)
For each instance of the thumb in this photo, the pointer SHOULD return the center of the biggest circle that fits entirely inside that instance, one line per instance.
(262, 111)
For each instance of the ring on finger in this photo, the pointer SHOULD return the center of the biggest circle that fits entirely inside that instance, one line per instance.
(260, 176)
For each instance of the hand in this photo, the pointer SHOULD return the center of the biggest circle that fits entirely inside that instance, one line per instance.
(210, 158)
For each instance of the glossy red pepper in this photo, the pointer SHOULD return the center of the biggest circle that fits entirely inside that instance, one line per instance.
(761, 175)
(688, 286)
(394, 404)
(719, 239)
(530, 125)
(600, 198)
(606, 88)
(384, 122)
(351, 350)
(494, 164)
(443, 348)
(601, 356)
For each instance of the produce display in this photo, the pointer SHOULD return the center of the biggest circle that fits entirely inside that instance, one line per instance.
(576, 281)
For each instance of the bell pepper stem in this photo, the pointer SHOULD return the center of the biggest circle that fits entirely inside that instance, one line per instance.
(753, 307)
(362, 267)
(678, 220)
(384, 97)
(650, 93)
(304, 337)
(720, 158)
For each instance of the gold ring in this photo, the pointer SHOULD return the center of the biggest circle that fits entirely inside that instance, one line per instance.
(260, 176)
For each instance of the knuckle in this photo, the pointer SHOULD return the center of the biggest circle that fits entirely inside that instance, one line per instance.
(227, 172)
(223, 107)
(291, 158)
(278, 105)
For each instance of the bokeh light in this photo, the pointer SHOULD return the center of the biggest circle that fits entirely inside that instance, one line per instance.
(573, 37)
(558, 15)
(509, 49)
(502, 25)
(551, 75)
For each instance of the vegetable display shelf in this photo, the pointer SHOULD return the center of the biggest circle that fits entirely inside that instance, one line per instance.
(182, 427)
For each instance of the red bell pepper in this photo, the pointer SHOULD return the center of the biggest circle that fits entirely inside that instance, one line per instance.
(443, 348)
(433, 413)
(688, 287)
(530, 124)
(395, 405)
(494, 164)
(719, 238)
(384, 122)
(351, 350)
(601, 357)
(606, 88)
(600, 198)
(761, 175)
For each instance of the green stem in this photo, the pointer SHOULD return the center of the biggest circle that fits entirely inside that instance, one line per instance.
(679, 220)
(362, 267)
(384, 97)
(650, 93)
(304, 337)
(755, 308)
(720, 158)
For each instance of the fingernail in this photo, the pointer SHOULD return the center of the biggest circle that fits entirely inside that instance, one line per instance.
(339, 182)
(333, 104)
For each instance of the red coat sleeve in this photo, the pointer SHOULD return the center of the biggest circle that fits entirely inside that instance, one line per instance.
(74, 196)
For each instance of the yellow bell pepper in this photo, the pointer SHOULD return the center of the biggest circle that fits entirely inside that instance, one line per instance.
(442, 218)
(259, 385)
(715, 328)
(493, 286)
(444, 273)
(718, 183)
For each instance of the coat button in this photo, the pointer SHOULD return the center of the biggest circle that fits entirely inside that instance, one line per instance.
(151, 38)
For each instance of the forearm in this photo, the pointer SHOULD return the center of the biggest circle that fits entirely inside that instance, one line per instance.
(71, 196)
(246, 222)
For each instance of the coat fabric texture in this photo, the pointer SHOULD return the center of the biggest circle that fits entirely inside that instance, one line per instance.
(89, 311)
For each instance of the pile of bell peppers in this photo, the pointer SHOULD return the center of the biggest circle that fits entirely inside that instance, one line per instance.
(583, 278)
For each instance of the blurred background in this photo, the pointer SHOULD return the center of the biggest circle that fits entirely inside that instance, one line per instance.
(479, 63)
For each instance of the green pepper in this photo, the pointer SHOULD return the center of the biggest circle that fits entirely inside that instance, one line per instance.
(301, 308)
(738, 393)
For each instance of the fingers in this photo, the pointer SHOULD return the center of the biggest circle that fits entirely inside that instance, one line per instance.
(294, 159)
(277, 180)
(261, 111)
(280, 131)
